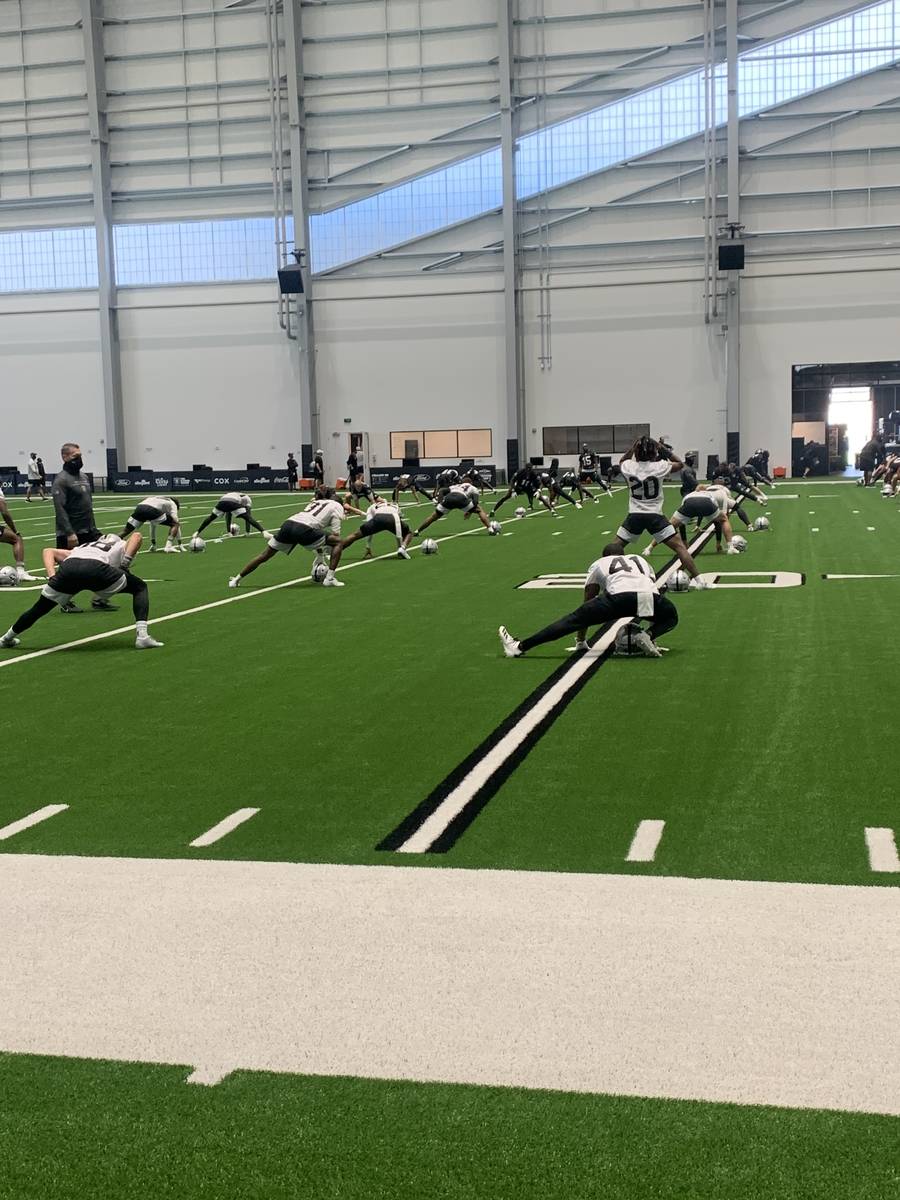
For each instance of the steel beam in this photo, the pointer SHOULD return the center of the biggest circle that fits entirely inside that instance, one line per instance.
(95, 71)
(512, 331)
(733, 278)
(310, 436)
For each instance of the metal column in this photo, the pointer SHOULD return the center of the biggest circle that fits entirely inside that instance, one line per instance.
(733, 281)
(95, 69)
(306, 342)
(515, 394)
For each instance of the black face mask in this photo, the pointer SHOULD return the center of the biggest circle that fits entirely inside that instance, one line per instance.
(74, 465)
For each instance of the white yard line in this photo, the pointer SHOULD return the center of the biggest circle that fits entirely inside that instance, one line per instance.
(645, 842)
(35, 818)
(236, 597)
(224, 827)
(692, 989)
(882, 850)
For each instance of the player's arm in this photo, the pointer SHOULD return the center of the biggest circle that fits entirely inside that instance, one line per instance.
(52, 559)
(7, 518)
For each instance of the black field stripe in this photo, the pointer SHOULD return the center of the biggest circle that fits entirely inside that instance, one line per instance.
(461, 822)
(423, 811)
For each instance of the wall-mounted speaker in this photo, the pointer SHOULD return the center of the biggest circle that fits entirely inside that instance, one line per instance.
(290, 281)
(731, 256)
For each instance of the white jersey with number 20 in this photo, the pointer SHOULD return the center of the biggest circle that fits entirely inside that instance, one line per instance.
(645, 484)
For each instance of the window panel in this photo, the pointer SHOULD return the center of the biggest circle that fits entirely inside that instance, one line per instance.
(560, 439)
(399, 440)
(598, 438)
(441, 443)
(475, 443)
(48, 260)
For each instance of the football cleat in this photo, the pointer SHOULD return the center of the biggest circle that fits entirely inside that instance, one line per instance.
(146, 642)
(24, 576)
(494, 528)
(511, 647)
(234, 581)
(701, 585)
(8, 641)
(578, 504)
(402, 552)
(642, 641)
(103, 605)
(732, 549)
(331, 580)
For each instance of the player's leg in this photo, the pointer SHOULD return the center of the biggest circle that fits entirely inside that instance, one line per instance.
(593, 612)
(207, 521)
(435, 516)
(140, 605)
(40, 608)
(567, 496)
(342, 545)
(665, 617)
(503, 499)
(251, 566)
(18, 548)
(482, 517)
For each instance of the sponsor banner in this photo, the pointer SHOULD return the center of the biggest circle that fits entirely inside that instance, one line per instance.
(199, 481)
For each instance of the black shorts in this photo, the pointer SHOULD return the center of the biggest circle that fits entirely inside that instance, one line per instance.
(146, 512)
(525, 489)
(382, 524)
(296, 533)
(230, 508)
(86, 575)
(696, 505)
(635, 524)
(62, 541)
(586, 476)
(866, 464)
(456, 502)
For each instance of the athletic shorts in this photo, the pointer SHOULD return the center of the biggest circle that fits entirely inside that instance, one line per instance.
(696, 505)
(866, 464)
(635, 524)
(524, 489)
(230, 508)
(456, 502)
(293, 534)
(146, 512)
(382, 524)
(83, 575)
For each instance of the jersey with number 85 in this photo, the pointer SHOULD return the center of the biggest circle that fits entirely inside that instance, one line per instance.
(645, 484)
(619, 573)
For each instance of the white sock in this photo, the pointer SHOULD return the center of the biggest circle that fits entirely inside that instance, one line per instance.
(9, 633)
(141, 628)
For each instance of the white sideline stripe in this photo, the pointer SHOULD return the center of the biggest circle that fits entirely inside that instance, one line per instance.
(870, 528)
(780, 496)
(420, 841)
(646, 839)
(691, 989)
(189, 612)
(882, 849)
(35, 818)
(225, 826)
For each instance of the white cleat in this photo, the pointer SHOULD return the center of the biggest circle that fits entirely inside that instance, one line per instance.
(577, 504)
(234, 581)
(8, 641)
(331, 580)
(24, 577)
(701, 585)
(732, 549)
(580, 645)
(169, 548)
(402, 552)
(147, 643)
(511, 647)
(645, 644)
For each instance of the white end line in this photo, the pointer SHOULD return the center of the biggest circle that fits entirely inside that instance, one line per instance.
(225, 826)
(35, 818)
(645, 841)
(882, 849)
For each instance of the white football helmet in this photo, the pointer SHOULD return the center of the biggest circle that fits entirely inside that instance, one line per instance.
(680, 581)
(319, 571)
(739, 543)
(520, 512)
(429, 546)
(9, 577)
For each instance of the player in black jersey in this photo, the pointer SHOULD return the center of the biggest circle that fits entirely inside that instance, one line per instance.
(552, 490)
(358, 489)
(407, 483)
(524, 482)
(570, 479)
(446, 479)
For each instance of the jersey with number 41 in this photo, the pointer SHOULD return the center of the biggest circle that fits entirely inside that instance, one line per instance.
(645, 484)
(618, 573)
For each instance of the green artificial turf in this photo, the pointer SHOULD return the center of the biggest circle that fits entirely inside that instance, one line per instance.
(760, 739)
(74, 1130)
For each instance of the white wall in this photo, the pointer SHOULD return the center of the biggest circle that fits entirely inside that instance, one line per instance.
(207, 376)
(52, 385)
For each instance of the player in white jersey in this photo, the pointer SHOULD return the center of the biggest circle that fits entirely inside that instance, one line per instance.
(711, 502)
(382, 517)
(616, 586)
(459, 497)
(317, 526)
(231, 506)
(11, 536)
(100, 565)
(156, 511)
(644, 467)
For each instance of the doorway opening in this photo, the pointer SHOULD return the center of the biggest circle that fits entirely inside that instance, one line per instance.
(853, 408)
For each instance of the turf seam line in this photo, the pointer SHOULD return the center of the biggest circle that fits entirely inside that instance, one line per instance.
(424, 830)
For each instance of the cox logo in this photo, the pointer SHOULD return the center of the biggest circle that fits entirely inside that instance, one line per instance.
(221, 481)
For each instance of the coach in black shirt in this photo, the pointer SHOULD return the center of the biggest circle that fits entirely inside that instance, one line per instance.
(72, 499)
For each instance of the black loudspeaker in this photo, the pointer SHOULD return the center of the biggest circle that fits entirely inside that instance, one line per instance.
(252, 466)
(537, 461)
(731, 256)
(410, 464)
(195, 467)
(290, 281)
(133, 468)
